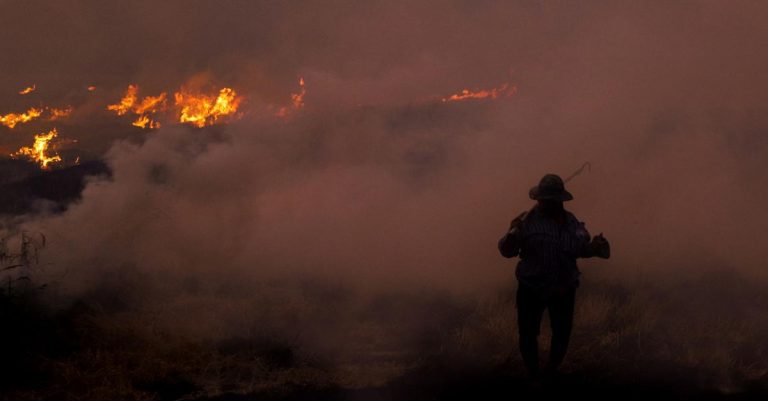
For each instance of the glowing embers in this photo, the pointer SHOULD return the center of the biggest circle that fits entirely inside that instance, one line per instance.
(11, 119)
(40, 151)
(297, 101)
(201, 109)
(28, 90)
(57, 114)
(466, 94)
(142, 109)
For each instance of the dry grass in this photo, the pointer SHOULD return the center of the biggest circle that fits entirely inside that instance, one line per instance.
(707, 332)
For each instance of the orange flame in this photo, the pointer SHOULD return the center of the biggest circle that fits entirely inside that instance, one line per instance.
(148, 105)
(201, 110)
(28, 89)
(481, 94)
(145, 122)
(38, 151)
(127, 102)
(60, 113)
(297, 100)
(10, 120)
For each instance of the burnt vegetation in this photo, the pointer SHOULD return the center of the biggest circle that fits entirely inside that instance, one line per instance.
(26, 188)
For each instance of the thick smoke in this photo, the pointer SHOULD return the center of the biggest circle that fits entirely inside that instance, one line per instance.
(377, 184)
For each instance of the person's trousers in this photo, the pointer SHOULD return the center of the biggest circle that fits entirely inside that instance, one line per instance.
(531, 304)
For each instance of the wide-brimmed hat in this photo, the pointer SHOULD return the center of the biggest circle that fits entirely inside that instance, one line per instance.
(551, 187)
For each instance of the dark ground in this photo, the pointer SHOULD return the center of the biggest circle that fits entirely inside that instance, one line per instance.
(23, 186)
(96, 349)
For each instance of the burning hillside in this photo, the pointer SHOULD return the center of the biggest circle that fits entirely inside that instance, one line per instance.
(303, 200)
(194, 107)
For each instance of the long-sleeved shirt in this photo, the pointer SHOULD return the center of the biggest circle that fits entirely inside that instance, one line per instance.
(548, 249)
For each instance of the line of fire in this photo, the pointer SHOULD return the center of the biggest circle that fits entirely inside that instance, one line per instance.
(184, 106)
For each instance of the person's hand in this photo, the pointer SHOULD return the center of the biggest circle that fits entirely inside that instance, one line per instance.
(600, 246)
(517, 221)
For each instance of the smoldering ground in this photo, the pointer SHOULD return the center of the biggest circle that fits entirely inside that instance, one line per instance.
(359, 237)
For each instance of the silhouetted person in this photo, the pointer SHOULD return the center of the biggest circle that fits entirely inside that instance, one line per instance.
(548, 240)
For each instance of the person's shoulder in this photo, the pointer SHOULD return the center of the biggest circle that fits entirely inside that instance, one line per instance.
(572, 218)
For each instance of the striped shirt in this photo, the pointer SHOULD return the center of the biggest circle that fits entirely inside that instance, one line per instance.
(548, 249)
